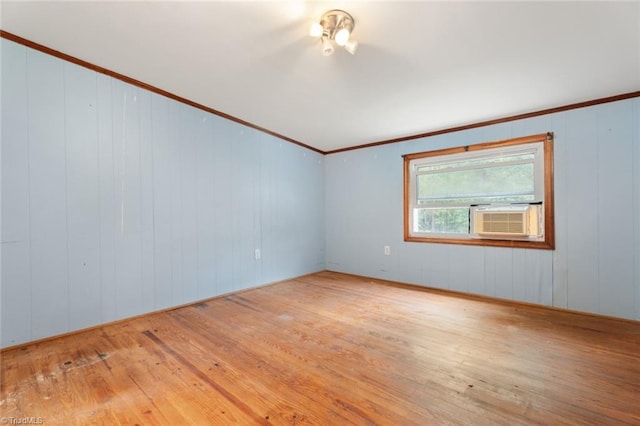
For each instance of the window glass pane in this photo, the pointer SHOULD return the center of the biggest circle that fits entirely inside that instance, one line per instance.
(441, 220)
(503, 183)
(440, 164)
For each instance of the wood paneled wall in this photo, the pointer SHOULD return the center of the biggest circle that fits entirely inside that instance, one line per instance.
(118, 202)
(596, 265)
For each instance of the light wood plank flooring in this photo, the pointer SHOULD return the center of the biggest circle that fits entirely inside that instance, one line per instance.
(333, 349)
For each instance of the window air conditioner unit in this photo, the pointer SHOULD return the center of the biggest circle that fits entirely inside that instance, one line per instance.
(507, 221)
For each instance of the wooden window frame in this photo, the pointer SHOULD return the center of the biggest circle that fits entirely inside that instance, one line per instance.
(549, 227)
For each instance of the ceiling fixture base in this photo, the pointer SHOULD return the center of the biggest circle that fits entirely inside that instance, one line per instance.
(335, 27)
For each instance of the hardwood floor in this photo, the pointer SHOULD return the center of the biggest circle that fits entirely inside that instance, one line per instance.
(333, 349)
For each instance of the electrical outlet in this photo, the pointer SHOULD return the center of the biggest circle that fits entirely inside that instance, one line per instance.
(257, 254)
(387, 250)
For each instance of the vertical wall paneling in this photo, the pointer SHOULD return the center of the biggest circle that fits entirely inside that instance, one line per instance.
(371, 212)
(222, 187)
(162, 158)
(459, 277)
(409, 265)
(117, 201)
(126, 148)
(504, 274)
(537, 277)
(147, 267)
(337, 210)
(294, 195)
(531, 126)
(83, 202)
(615, 209)
(435, 266)
(269, 149)
(279, 220)
(189, 175)
(319, 217)
(476, 265)
(363, 216)
(176, 152)
(16, 279)
(206, 206)
(309, 225)
(490, 271)
(519, 279)
(106, 200)
(385, 201)
(367, 209)
(582, 209)
(256, 196)
(244, 185)
(288, 215)
(560, 279)
(47, 195)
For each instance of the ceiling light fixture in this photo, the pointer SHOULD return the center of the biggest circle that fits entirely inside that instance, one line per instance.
(335, 26)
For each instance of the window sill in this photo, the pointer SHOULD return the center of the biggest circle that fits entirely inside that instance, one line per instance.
(541, 245)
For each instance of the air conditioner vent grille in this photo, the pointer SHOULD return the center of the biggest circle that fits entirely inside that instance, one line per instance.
(509, 223)
(518, 221)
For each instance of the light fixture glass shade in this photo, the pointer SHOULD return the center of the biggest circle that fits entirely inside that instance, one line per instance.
(334, 29)
(327, 47)
(316, 30)
(342, 37)
(351, 46)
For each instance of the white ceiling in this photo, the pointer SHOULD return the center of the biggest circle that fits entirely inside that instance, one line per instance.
(420, 67)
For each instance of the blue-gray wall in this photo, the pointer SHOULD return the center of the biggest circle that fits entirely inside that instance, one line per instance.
(596, 265)
(117, 201)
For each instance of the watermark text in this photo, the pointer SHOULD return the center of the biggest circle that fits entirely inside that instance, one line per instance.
(22, 420)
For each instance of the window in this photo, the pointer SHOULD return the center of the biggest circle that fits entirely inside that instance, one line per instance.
(495, 193)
